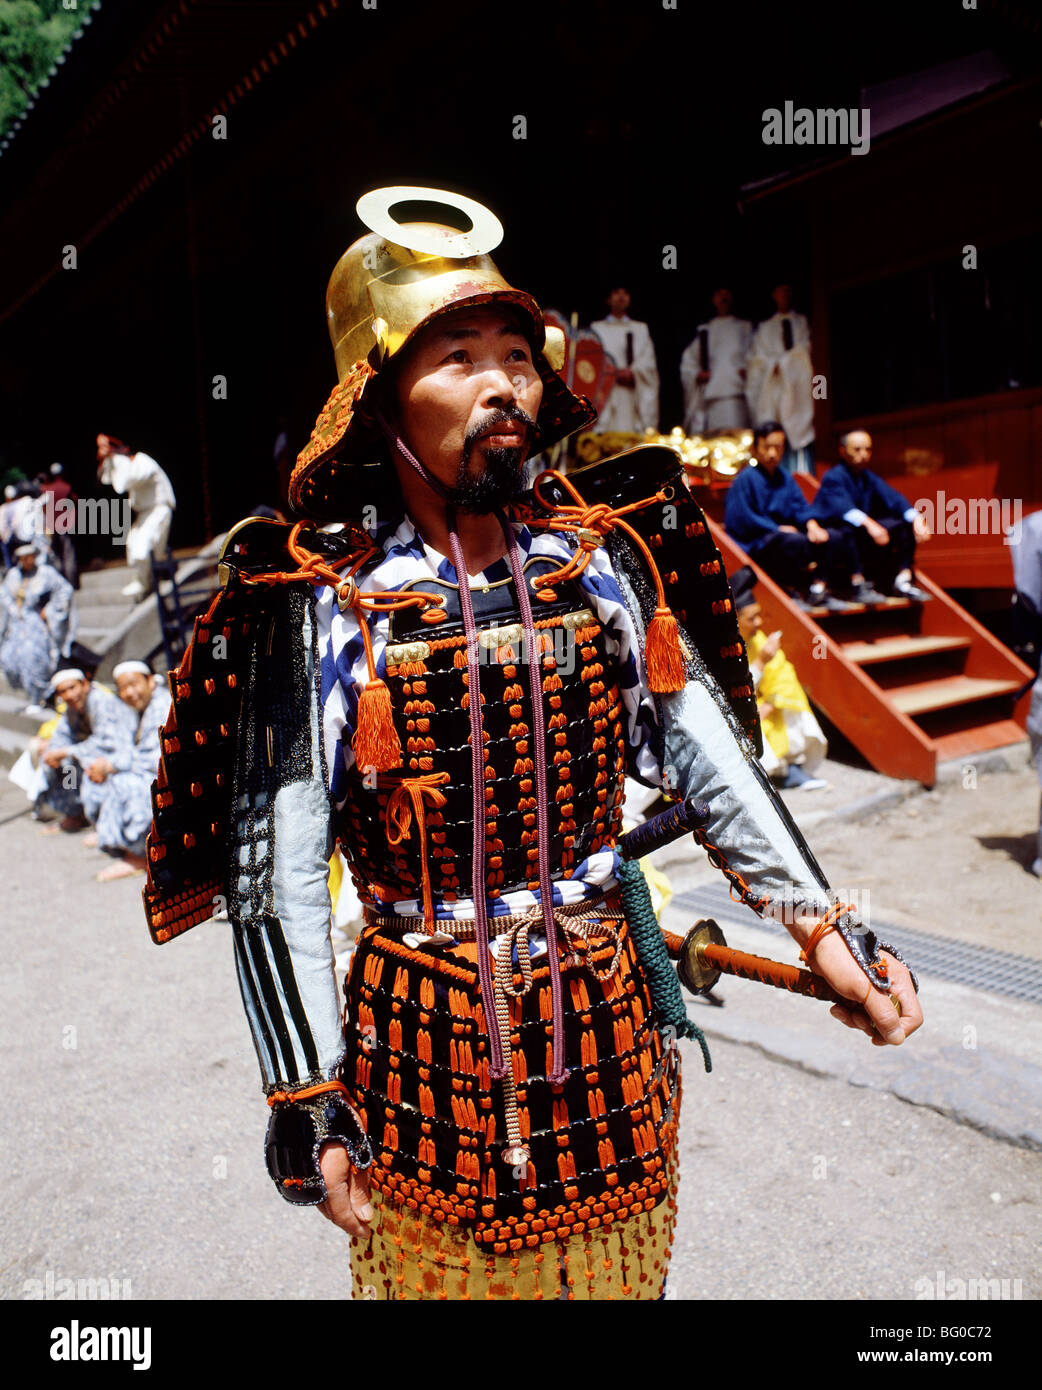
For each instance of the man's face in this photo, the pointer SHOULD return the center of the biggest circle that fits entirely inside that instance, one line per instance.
(135, 689)
(619, 301)
(782, 296)
(468, 396)
(768, 450)
(105, 447)
(857, 451)
(750, 619)
(723, 302)
(74, 693)
(27, 563)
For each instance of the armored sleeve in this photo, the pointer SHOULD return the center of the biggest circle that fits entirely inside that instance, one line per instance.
(690, 744)
(280, 845)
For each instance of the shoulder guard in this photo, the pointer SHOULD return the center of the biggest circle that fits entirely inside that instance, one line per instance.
(200, 768)
(693, 576)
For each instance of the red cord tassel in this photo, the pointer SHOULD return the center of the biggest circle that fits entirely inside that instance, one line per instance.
(664, 659)
(376, 743)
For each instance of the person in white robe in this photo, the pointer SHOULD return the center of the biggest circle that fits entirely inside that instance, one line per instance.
(632, 406)
(713, 371)
(780, 379)
(152, 501)
(117, 793)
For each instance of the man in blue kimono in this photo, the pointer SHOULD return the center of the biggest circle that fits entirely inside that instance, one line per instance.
(883, 524)
(96, 728)
(117, 793)
(768, 515)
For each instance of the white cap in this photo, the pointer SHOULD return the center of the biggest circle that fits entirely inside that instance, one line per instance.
(71, 673)
(25, 550)
(129, 668)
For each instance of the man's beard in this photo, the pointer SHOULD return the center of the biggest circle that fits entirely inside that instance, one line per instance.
(504, 473)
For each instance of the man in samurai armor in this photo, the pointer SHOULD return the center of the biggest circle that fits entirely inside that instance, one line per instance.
(450, 679)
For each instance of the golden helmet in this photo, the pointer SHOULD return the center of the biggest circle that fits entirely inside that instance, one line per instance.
(386, 287)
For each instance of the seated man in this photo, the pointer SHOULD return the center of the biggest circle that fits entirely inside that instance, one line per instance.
(117, 796)
(793, 742)
(95, 727)
(768, 515)
(884, 524)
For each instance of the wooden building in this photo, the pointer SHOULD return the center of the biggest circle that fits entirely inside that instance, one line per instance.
(926, 272)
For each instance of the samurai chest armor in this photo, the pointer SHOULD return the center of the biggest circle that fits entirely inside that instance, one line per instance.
(585, 746)
(521, 1161)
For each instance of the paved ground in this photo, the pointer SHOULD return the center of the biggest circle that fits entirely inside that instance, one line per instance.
(814, 1166)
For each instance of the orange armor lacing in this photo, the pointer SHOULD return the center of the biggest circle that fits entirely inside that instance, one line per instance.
(406, 799)
(590, 525)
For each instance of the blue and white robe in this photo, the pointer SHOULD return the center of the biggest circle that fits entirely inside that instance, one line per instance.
(29, 646)
(105, 730)
(121, 806)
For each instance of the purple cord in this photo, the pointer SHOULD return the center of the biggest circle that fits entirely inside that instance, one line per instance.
(546, 899)
(497, 1064)
(498, 1069)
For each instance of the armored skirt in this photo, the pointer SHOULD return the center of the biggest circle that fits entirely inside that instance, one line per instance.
(587, 1211)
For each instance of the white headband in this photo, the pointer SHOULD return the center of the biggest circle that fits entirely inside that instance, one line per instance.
(72, 674)
(25, 550)
(127, 668)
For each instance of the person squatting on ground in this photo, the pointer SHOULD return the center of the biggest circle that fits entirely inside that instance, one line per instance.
(117, 793)
(496, 1114)
(152, 501)
(35, 615)
(95, 731)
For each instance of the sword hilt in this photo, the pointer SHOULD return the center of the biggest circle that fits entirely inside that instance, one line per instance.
(704, 955)
(681, 819)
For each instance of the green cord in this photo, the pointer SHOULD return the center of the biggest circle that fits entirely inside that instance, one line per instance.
(663, 984)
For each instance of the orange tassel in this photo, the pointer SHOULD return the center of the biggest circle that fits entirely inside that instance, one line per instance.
(375, 742)
(664, 659)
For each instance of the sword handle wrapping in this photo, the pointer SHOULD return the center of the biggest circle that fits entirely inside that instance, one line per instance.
(703, 955)
(772, 972)
(668, 825)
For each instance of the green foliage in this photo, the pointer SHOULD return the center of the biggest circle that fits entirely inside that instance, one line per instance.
(33, 33)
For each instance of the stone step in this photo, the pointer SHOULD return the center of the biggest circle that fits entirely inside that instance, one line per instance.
(96, 638)
(102, 615)
(11, 716)
(95, 583)
(16, 728)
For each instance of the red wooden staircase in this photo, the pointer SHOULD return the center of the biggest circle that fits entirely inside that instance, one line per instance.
(909, 684)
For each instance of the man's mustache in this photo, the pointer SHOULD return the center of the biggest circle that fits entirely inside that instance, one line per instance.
(506, 415)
